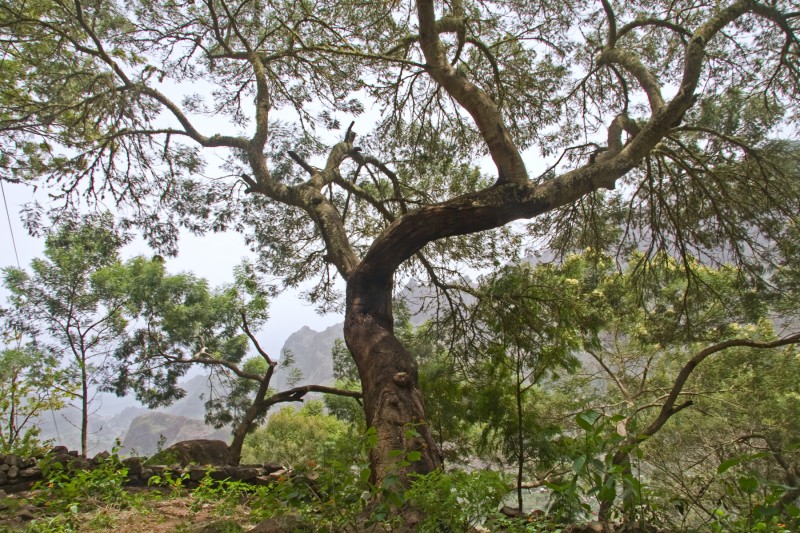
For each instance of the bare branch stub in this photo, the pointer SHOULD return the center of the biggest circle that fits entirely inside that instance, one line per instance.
(300, 161)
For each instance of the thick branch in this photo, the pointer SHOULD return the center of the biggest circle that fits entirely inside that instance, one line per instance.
(647, 80)
(296, 394)
(476, 102)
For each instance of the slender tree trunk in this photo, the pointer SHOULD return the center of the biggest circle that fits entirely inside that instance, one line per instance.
(250, 415)
(622, 461)
(84, 411)
(12, 418)
(520, 440)
(392, 400)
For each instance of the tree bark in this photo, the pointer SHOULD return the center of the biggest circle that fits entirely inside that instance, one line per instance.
(392, 399)
(84, 410)
(245, 425)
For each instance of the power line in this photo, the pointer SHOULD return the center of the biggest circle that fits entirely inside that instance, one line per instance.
(10, 229)
(2, 188)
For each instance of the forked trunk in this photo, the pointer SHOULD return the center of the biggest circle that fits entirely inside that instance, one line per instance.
(392, 399)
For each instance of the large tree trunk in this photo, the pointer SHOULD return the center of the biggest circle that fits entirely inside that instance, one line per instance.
(392, 399)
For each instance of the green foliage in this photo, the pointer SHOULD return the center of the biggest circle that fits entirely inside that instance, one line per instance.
(181, 323)
(226, 496)
(298, 437)
(333, 494)
(176, 483)
(457, 501)
(71, 303)
(593, 472)
(28, 379)
(67, 490)
(766, 509)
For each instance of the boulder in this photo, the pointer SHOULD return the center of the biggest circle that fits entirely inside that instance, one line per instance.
(201, 452)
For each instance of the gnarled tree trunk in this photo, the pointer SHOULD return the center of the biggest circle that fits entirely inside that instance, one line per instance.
(392, 400)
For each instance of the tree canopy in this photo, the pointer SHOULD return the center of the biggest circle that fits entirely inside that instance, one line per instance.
(656, 125)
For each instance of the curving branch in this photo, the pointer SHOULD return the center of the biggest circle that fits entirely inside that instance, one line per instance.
(669, 408)
(477, 103)
(296, 394)
(658, 23)
(611, 40)
(647, 80)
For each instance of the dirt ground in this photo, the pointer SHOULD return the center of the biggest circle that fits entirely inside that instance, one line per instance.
(151, 511)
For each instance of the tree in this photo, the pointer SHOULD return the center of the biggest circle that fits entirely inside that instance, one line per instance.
(71, 304)
(294, 438)
(654, 118)
(31, 383)
(182, 324)
(661, 346)
(526, 326)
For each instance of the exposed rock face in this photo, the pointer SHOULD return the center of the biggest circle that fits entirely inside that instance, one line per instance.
(199, 451)
(312, 352)
(146, 432)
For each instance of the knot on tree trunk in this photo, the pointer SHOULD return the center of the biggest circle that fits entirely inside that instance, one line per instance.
(402, 379)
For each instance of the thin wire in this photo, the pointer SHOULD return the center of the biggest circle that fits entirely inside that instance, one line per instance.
(10, 229)
(2, 188)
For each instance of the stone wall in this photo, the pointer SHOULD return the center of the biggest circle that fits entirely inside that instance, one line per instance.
(20, 473)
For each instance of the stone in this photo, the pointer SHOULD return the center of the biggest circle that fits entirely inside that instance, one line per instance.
(33, 471)
(201, 452)
(511, 512)
(101, 457)
(221, 473)
(246, 474)
(13, 472)
(272, 467)
(59, 450)
(79, 463)
(3, 478)
(16, 486)
(279, 474)
(262, 481)
(25, 515)
(157, 469)
(134, 465)
(12, 460)
(196, 472)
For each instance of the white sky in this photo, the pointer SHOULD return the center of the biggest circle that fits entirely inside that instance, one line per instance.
(211, 257)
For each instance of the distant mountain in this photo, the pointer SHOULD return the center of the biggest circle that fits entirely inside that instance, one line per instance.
(193, 404)
(312, 353)
(153, 429)
(312, 349)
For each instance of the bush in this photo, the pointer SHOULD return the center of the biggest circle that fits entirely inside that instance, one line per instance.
(299, 437)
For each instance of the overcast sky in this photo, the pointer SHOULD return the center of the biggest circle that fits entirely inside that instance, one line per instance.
(212, 257)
